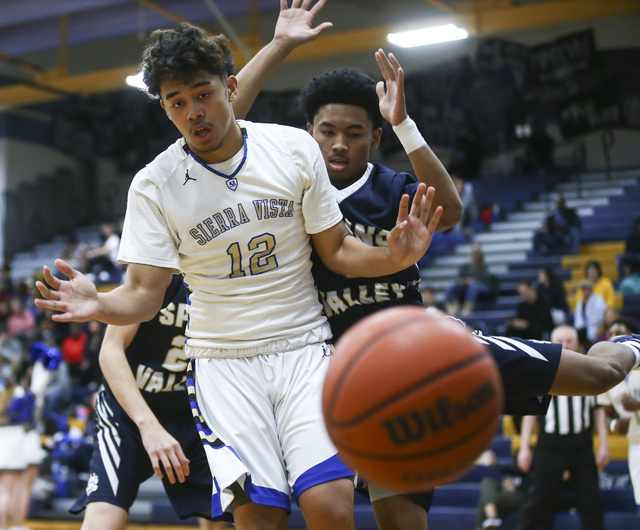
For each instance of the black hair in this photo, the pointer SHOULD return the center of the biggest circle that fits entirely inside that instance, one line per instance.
(347, 86)
(596, 265)
(554, 279)
(179, 54)
(628, 323)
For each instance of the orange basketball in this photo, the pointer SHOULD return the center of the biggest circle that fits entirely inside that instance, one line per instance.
(411, 398)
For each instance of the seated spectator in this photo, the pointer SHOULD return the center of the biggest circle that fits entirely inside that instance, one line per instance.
(103, 260)
(470, 208)
(601, 284)
(89, 370)
(588, 313)
(533, 318)
(73, 349)
(550, 287)
(21, 322)
(473, 280)
(11, 350)
(74, 253)
(610, 316)
(499, 495)
(629, 262)
(560, 231)
(429, 298)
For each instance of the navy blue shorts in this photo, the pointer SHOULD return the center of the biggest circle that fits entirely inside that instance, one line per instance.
(528, 369)
(120, 463)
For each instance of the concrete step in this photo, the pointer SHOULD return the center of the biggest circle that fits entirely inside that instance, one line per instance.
(493, 259)
(572, 203)
(584, 194)
(500, 236)
(496, 247)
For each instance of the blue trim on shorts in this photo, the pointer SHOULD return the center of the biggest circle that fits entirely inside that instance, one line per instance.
(267, 496)
(331, 469)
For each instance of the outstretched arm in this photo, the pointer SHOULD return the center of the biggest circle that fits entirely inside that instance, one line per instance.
(77, 300)
(426, 165)
(293, 28)
(160, 445)
(605, 365)
(406, 243)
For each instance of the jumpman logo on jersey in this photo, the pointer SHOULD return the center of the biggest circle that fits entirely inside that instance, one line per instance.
(187, 178)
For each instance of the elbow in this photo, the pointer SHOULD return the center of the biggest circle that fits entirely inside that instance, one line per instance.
(451, 215)
(609, 375)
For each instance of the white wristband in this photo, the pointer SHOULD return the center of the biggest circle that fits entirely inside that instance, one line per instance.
(635, 350)
(409, 135)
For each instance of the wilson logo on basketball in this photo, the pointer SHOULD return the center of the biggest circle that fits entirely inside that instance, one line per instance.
(414, 425)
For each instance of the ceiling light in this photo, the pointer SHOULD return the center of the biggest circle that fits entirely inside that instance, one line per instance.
(136, 81)
(424, 36)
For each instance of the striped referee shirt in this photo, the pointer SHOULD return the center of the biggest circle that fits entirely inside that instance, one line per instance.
(569, 419)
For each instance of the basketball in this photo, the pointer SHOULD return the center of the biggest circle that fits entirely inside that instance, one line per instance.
(411, 398)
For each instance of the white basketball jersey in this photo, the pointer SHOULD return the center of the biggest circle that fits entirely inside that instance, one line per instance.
(242, 243)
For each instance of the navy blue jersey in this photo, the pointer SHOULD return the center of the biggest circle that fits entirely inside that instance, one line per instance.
(156, 353)
(370, 209)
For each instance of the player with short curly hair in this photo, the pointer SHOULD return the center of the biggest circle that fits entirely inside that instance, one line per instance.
(182, 53)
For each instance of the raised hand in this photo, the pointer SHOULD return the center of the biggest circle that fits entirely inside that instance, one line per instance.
(413, 233)
(75, 298)
(295, 24)
(391, 92)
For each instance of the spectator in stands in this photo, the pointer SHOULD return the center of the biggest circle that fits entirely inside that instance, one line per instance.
(533, 318)
(5, 279)
(473, 280)
(103, 260)
(73, 349)
(560, 231)
(5, 311)
(499, 495)
(470, 208)
(74, 252)
(611, 314)
(629, 262)
(21, 322)
(89, 370)
(429, 298)
(550, 287)
(601, 284)
(588, 313)
(11, 350)
(564, 443)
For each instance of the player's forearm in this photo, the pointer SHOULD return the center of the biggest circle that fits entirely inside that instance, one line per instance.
(254, 75)
(128, 304)
(355, 258)
(122, 383)
(428, 169)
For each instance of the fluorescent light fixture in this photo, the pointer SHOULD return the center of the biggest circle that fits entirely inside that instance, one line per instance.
(424, 36)
(136, 81)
